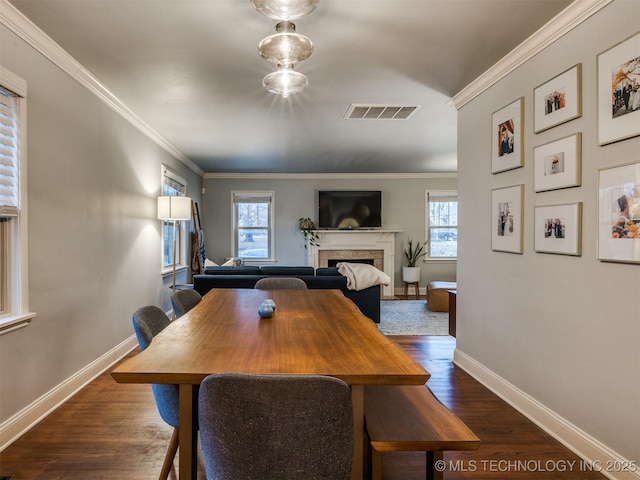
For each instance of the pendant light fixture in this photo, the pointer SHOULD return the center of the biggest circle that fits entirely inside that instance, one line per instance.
(286, 47)
(285, 81)
(284, 9)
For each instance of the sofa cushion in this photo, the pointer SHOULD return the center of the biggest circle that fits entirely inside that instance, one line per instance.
(327, 271)
(290, 271)
(238, 270)
(326, 281)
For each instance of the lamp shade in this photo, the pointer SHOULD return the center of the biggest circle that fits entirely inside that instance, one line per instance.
(285, 81)
(284, 9)
(285, 47)
(174, 208)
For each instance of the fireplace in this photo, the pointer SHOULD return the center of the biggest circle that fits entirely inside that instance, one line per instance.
(375, 247)
(333, 262)
(329, 258)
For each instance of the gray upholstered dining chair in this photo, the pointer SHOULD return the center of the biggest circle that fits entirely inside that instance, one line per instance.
(279, 427)
(148, 322)
(184, 300)
(280, 283)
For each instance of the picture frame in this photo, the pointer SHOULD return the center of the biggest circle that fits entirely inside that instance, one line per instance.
(558, 164)
(507, 219)
(558, 229)
(618, 107)
(619, 213)
(507, 137)
(558, 100)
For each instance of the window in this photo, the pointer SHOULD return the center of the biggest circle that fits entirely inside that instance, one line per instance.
(9, 188)
(173, 185)
(253, 225)
(442, 224)
(14, 311)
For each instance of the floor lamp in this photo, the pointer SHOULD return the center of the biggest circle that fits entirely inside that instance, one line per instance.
(174, 208)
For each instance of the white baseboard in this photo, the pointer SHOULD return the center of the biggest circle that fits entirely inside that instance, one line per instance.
(24, 420)
(412, 292)
(596, 455)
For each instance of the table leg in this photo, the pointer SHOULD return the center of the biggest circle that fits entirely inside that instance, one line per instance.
(357, 399)
(188, 440)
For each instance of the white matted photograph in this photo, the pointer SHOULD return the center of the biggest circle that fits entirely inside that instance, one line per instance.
(619, 91)
(619, 213)
(557, 164)
(506, 219)
(558, 100)
(558, 229)
(507, 137)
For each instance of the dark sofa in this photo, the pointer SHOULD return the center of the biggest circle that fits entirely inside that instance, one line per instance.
(246, 276)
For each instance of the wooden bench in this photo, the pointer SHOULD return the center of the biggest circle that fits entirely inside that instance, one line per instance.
(411, 419)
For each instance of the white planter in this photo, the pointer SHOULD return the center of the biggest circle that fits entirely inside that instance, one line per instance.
(410, 274)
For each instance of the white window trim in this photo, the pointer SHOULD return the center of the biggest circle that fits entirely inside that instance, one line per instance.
(16, 229)
(427, 234)
(182, 263)
(272, 226)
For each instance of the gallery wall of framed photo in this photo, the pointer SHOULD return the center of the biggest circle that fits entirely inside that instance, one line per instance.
(557, 163)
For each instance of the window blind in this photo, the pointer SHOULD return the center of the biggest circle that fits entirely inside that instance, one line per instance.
(443, 196)
(250, 197)
(173, 184)
(8, 154)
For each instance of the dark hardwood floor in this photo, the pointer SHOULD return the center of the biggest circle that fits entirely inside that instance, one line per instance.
(112, 431)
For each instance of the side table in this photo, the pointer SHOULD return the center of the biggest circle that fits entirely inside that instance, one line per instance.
(452, 312)
(406, 289)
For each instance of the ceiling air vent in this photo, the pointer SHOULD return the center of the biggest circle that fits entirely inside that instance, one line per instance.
(380, 112)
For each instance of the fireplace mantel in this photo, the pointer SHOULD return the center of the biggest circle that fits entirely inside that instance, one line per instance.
(349, 240)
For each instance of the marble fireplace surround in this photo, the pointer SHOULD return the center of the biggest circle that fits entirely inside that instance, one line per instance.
(377, 246)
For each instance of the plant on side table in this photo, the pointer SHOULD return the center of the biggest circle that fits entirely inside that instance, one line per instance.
(411, 273)
(309, 232)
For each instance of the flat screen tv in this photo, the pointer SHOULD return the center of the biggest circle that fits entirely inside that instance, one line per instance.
(349, 209)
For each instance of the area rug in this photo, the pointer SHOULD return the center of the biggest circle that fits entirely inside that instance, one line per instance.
(411, 317)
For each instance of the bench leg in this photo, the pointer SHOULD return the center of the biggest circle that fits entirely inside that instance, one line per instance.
(376, 464)
(432, 472)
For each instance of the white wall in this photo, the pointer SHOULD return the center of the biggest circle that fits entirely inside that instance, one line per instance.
(403, 202)
(94, 240)
(565, 330)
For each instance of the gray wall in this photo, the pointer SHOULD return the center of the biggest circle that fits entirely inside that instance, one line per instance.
(565, 330)
(94, 240)
(403, 209)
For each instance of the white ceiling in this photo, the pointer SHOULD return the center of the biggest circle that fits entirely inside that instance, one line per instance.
(190, 69)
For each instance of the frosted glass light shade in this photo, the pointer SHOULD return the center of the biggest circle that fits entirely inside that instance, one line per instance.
(174, 208)
(284, 9)
(285, 47)
(285, 81)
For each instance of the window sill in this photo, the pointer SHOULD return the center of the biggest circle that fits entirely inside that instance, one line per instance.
(14, 322)
(169, 270)
(441, 260)
(260, 261)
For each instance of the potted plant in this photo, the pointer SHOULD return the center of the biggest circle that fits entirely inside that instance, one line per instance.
(309, 231)
(411, 273)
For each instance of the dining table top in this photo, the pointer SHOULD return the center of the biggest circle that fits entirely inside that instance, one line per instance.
(317, 331)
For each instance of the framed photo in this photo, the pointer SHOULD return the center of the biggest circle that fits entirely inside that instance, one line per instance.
(507, 137)
(558, 100)
(558, 229)
(619, 91)
(557, 164)
(619, 213)
(506, 219)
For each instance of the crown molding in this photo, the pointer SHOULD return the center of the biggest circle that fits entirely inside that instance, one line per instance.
(326, 176)
(565, 21)
(20, 25)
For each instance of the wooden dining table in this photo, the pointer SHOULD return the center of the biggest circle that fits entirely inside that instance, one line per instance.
(313, 332)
